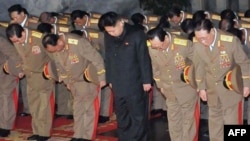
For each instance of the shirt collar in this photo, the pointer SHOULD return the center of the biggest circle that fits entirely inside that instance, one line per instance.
(24, 21)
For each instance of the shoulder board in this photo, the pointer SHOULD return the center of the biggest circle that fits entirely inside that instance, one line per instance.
(241, 14)
(36, 34)
(176, 32)
(245, 19)
(153, 19)
(4, 24)
(73, 41)
(96, 15)
(32, 20)
(245, 25)
(178, 41)
(226, 38)
(94, 21)
(63, 29)
(61, 21)
(66, 19)
(195, 40)
(189, 16)
(93, 35)
(216, 17)
(148, 43)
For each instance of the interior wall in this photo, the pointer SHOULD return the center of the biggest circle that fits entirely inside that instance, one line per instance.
(35, 7)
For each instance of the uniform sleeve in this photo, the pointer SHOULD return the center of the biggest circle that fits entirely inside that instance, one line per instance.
(241, 59)
(92, 55)
(144, 58)
(156, 72)
(199, 67)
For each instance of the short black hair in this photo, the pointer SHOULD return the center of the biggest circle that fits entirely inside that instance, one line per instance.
(78, 14)
(45, 28)
(163, 23)
(174, 11)
(77, 32)
(187, 25)
(156, 32)
(226, 24)
(199, 15)
(228, 14)
(108, 19)
(50, 39)
(18, 8)
(14, 30)
(137, 18)
(204, 24)
(247, 13)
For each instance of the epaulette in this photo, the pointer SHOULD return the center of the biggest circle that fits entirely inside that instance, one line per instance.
(195, 40)
(63, 29)
(245, 19)
(178, 41)
(62, 21)
(241, 14)
(216, 17)
(176, 32)
(95, 15)
(153, 19)
(4, 24)
(189, 16)
(245, 25)
(36, 34)
(94, 35)
(31, 20)
(73, 41)
(148, 43)
(226, 38)
(94, 21)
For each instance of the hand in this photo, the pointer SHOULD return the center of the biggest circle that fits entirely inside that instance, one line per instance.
(20, 75)
(147, 87)
(110, 85)
(203, 95)
(68, 86)
(161, 89)
(102, 83)
(246, 91)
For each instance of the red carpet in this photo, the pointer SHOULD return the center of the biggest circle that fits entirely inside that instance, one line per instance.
(62, 130)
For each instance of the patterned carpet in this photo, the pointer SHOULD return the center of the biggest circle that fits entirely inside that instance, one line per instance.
(62, 130)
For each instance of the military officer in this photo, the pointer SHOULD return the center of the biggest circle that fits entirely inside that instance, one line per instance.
(9, 86)
(40, 91)
(72, 55)
(217, 53)
(169, 54)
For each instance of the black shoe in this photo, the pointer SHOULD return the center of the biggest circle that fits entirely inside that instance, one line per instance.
(59, 116)
(69, 117)
(103, 119)
(4, 132)
(43, 138)
(86, 140)
(24, 114)
(156, 111)
(33, 137)
(76, 139)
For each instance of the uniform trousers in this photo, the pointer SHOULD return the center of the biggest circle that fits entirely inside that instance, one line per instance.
(8, 100)
(41, 100)
(86, 106)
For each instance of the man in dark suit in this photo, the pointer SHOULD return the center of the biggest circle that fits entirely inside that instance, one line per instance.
(129, 73)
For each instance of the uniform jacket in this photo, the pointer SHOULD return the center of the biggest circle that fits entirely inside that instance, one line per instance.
(168, 66)
(212, 66)
(72, 62)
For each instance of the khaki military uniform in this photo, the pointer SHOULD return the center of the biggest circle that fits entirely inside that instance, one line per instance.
(225, 106)
(185, 15)
(64, 98)
(246, 48)
(71, 64)
(181, 98)
(40, 92)
(9, 85)
(96, 39)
